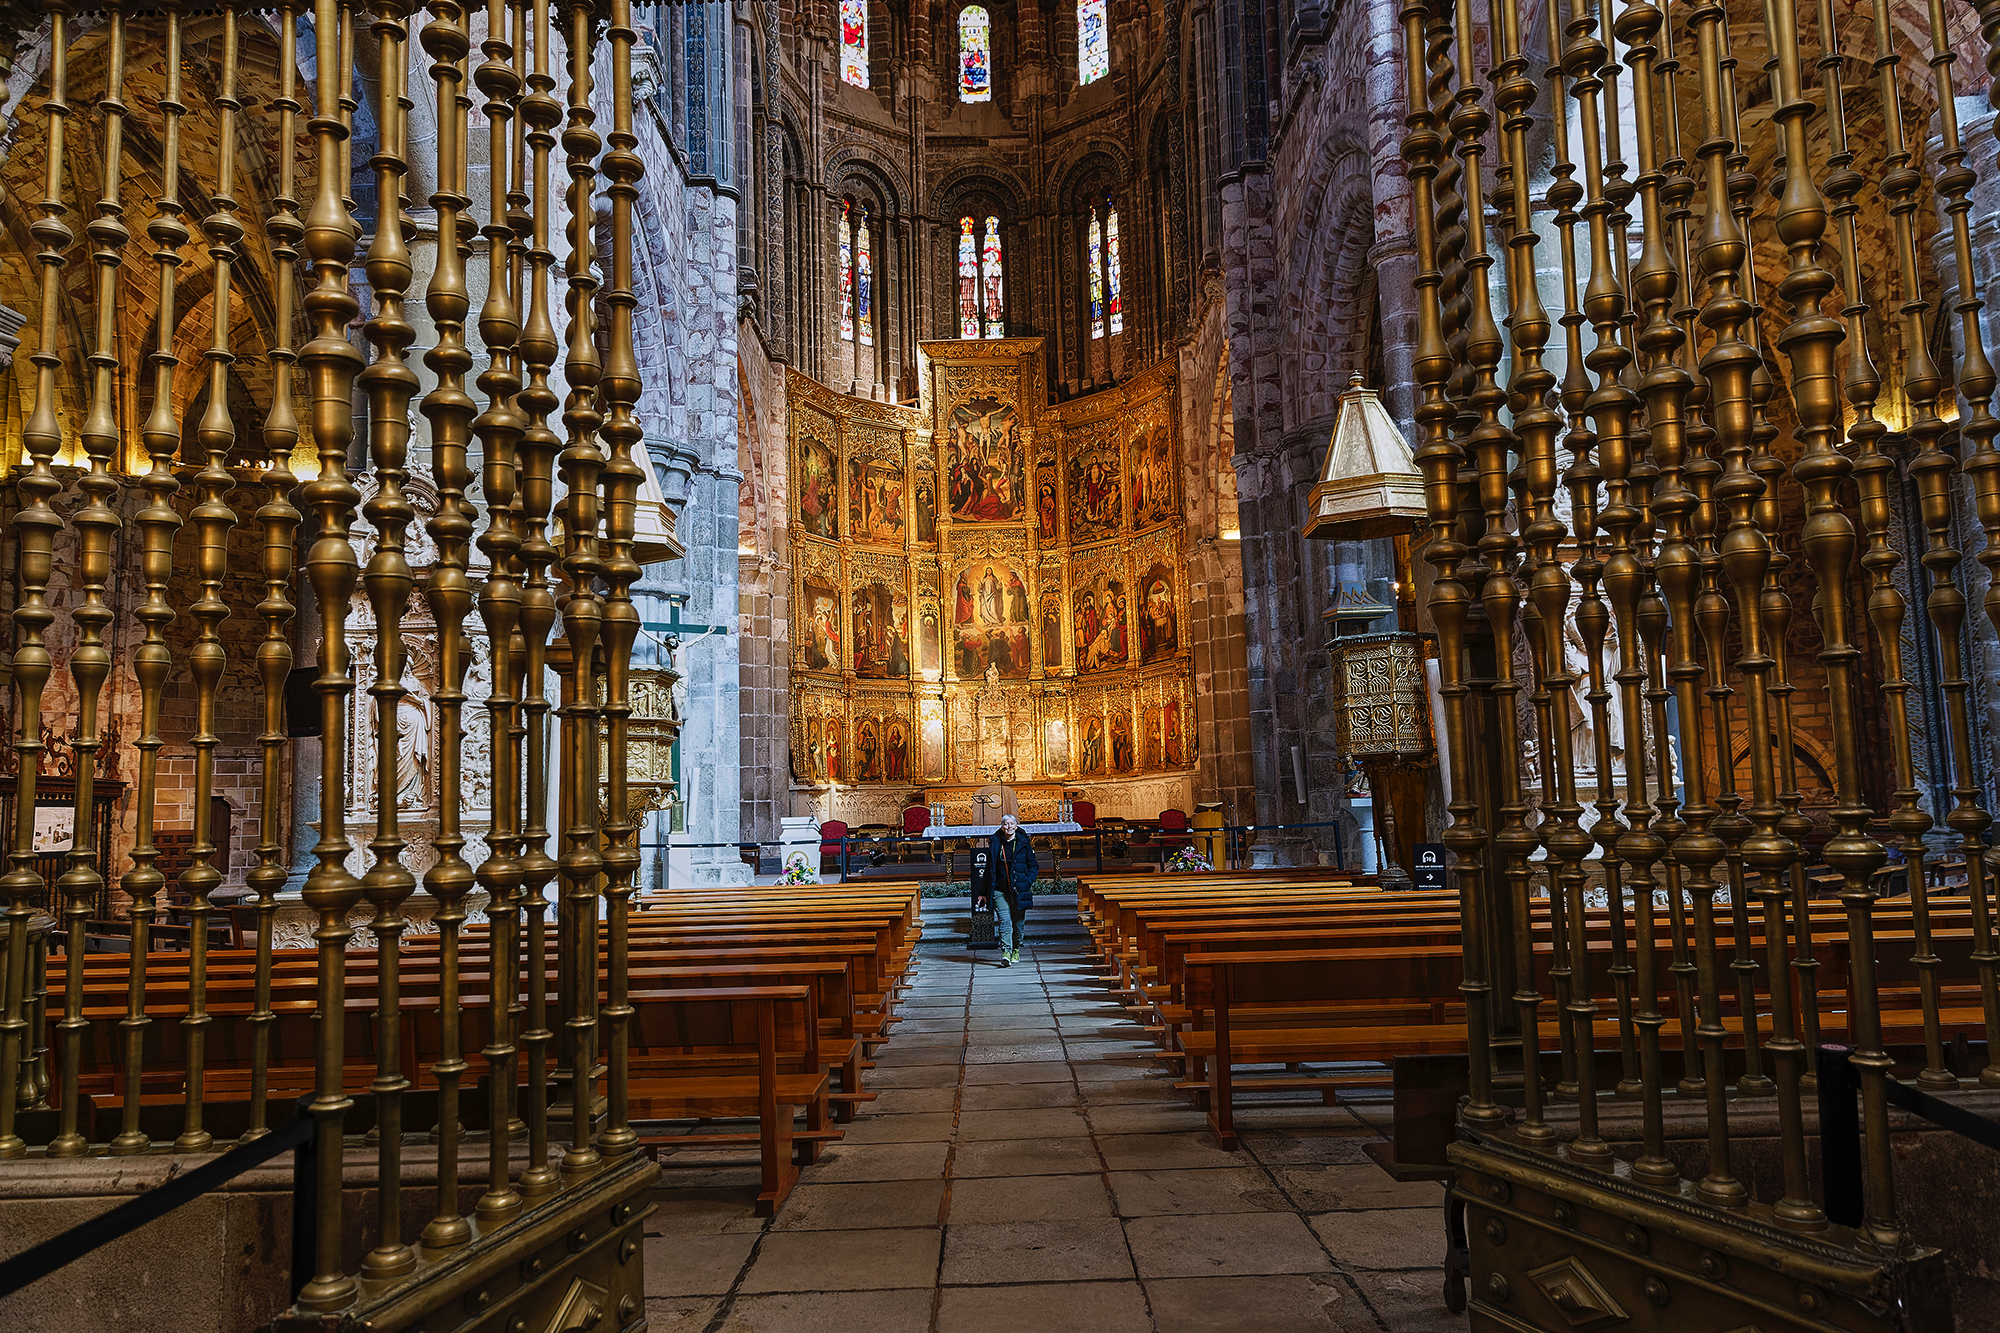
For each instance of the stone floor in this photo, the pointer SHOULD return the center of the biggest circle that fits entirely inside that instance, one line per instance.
(1027, 1165)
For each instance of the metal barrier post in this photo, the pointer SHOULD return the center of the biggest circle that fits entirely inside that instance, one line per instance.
(1839, 1136)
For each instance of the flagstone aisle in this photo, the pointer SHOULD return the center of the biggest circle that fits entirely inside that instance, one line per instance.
(1027, 1167)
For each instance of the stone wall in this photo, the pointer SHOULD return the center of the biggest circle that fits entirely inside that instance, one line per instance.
(1215, 565)
(764, 572)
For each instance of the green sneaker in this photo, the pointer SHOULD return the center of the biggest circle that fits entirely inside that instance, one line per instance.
(1013, 955)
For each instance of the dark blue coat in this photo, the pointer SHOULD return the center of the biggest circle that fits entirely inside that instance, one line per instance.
(1017, 871)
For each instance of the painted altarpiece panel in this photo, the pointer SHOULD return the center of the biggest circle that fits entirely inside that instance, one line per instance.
(931, 740)
(1048, 503)
(990, 620)
(819, 608)
(1096, 505)
(875, 494)
(816, 480)
(927, 506)
(1151, 470)
(983, 462)
(1100, 619)
(881, 631)
(1159, 614)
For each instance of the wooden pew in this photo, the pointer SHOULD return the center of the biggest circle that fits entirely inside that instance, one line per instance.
(689, 1053)
(1230, 988)
(844, 952)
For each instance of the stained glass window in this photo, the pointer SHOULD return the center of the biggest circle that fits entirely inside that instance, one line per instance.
(1093, 42)
(864, 282)
(1111, 283)
(1096, 277)
(968, 281)
(854, 42)
(996, 318)
(975, 55)
(846, 276)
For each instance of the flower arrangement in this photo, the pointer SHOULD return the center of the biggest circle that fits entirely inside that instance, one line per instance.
(798, 871)
(1187, 859)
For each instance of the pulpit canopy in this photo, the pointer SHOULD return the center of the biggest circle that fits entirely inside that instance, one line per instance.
(1369, 486)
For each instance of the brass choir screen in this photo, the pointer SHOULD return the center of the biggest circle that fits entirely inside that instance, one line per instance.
(516, 1005)
(1639, 497)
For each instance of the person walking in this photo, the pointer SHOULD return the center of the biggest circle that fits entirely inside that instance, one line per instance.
(1011, 882)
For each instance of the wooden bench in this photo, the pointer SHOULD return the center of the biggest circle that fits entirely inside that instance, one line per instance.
(732, 1052)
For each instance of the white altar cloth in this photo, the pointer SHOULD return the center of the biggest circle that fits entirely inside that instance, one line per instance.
(988, 830)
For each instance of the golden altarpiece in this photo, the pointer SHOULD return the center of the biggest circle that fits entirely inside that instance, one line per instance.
(988, 588)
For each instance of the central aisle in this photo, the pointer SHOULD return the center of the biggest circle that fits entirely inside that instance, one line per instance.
(1028, 1167)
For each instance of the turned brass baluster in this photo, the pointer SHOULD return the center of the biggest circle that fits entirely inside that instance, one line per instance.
(1876, 479)
(1537, 424)
(1982, 464)
(1583, 57)
(582, 609)
(157, 523)
(1727, 365)
(1776, 609)
(1664, 388)
(1453, 307)
(1581, 482)
(521, 229)
(499, 430)
(345, 104)
(1899, 187)
(279, 519)
(1628, 839)
(36, 525)
(1489, 446)
(331, 890)
(1809, 342)
(541, 113)
(1739, 823)
(96, 526)
(1932, 467)
(450, 411)
(1677, 192)
(622, 476)
(389, 383)
(213, 520)
(1438, 457)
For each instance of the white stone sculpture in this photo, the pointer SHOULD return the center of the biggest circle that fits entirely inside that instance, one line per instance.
(413, 746)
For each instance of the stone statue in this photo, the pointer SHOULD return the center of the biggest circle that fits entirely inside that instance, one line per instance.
(1582, 724)
(413, 746)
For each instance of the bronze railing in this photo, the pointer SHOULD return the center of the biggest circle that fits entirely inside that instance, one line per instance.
(1715, 443)
(473, 993)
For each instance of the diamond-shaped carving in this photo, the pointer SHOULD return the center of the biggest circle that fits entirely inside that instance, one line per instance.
(1578, 1296)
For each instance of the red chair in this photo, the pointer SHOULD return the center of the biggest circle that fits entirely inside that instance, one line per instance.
(1173, 829)
(832, 835)
(1084, 813)
(916, 819)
